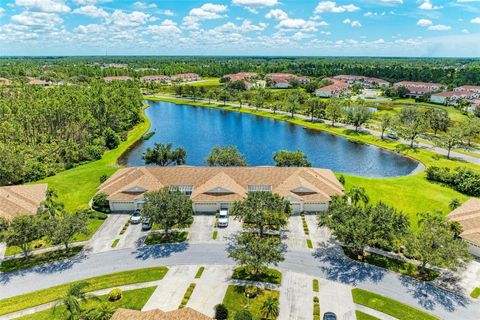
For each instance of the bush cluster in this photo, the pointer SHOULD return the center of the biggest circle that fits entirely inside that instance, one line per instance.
(115, 294)
(462, 179)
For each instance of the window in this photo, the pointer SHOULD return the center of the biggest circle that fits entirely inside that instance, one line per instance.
(259, 188)
(185, 189)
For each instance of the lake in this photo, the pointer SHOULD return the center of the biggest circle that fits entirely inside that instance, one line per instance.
(199, 129)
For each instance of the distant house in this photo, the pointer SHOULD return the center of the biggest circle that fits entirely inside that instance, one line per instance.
(155, 78)
(282, 80)
(38, 82)
(336, 89)
(185, 77)
(249, 78)
(468, 215)
(186, 313)
(418, 89)
(212, 188)
(452, 97)
(21, 200)
(5, 82)
(367, 82)
(118, 78)
(468, 88)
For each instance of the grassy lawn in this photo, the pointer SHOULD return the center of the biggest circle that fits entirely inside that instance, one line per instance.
(38, 259)
(475, 293)
(418, 194)
(363, 316)
(270, 275)
(207, 83)
(235, 300)
(39, 297)
(388, 306)
(187, 295)
(402, 267)
(131, 299)
(174, 237)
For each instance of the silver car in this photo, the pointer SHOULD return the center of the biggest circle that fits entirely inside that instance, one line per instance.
(136, 217)
(223, 218)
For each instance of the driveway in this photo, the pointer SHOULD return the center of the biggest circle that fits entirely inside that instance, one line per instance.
(109, 231)
(336, 297)
(296, 296)
(225, 234)
(132, 238)
(296, 237)
(202, 228)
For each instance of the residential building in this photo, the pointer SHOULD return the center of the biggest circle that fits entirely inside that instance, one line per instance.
(38, 82)
(418, 89)
(468, 215)
(249, 78)
(336, 89)
(5, 81)
(212, 188)
(282, 80)
(367, 82)
(155, 78)
(185, 77)
(186, 313)
(21, 200)
(118, 78)
(452, 97)
(468, 88)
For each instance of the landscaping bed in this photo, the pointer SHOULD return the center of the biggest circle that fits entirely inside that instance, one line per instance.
(475, 293)
(38, 259)
(174, 237)
(39, 297)
(270, 275)
(389, 306)
(403, 267)
(235, 301)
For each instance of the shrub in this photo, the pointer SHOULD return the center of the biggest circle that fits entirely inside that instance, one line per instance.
(103, 178)
(221, 312)
(341, 179)
(315, 285)
(462, 179)
(112, 140)
(115, 294)
(316, 300)
(100, 202)
(243, 315)
(251, 291)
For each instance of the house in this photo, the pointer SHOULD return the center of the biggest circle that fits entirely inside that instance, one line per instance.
(282, 80)
(186, 313)
(38, 82)
(249, 78)
(336, 89)
(185, 77)
(367, 82)
(21, 200)
(468, 88)
(468, 215)
(5, 81)
(155, 78)
(452, 97)
(118, 78)
(212, 188)
(418, 89)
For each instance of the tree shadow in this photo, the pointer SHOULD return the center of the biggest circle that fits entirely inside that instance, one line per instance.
(159, 250)
(336, 266)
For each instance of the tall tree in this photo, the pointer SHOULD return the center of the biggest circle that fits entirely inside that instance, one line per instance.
(63, 229)
(334, 111)
(438, 120)
(386, 123)
(22, 231)
(226, 156)
(210, 95)
(357, 195)
(165, 155)
(413, 122)
(316, 108)
(358, 115)
(451, 139)
(284, 158)
(72, 299)
(168, 207)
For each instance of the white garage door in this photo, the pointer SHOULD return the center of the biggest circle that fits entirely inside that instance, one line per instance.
(122, 206)
(206, 207)
(296, 207)
(314, 206)
(474, 250)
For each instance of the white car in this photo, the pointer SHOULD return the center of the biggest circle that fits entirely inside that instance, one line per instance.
(223, 218)
(136, 217)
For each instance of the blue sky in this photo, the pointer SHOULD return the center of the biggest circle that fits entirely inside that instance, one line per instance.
(425, 28)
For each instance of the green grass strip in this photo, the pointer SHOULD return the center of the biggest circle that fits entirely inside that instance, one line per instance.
(315, 285)
(215, 235)
(173, 237)
(316, 308)
(364, 316)
(39, 297)
(187, 295)
(199, 273)
(270, 275)
(115, 243)
(475, 293)
(389, 306)
(309, 244)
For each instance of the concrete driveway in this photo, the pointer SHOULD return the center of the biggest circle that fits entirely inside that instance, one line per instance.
(202, 228)
(109, 231)
(132, 238)
(296, 296)
(225, 234)
(336, 297)
(296, 238)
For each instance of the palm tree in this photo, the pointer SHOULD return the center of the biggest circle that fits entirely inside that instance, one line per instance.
(50, 205)
(72, 299)
(102, 312)
(358, 194)
(270, 308)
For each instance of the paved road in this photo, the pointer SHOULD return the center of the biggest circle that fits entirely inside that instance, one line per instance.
(326, 262)
(435, 149)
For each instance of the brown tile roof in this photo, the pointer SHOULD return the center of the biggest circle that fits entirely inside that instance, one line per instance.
(468, 215)
(224, 183)
(21, 200)
(156, 314)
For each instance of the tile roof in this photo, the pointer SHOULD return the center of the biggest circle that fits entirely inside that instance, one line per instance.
(21, 200)
(234, 182)
(346, 77)
(156, 314)
(468, 215)
(120, 78)
(417, 84)
(285, 77)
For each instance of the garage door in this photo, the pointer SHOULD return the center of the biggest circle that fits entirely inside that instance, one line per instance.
(296, 207)
(314, 206)
(122, 206)
(206, 206)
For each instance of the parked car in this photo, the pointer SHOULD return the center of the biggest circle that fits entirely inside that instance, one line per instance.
(329, 316)
(223, 218)
(146, 224)
(136, 217)
(392, 135)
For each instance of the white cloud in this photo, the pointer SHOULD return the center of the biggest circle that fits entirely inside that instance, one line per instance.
(121, 19)
(475, 20)
(208, 11)
(427, 5)
(354, 24)
(166, 12)
(347, 21)
(392, 1)
(144, 5)
(89, 29)
(38, 20)
(255, 3)
(424, 23)
(439, 27)
(91, 11)
(331, 6)
(49, 6)
(297, 25)
(246, 26)
(465, 31)
(2, 11)
(277, 14)
(90, 2)
(166, 27)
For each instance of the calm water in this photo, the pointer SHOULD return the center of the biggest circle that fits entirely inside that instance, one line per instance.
(199, 129)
